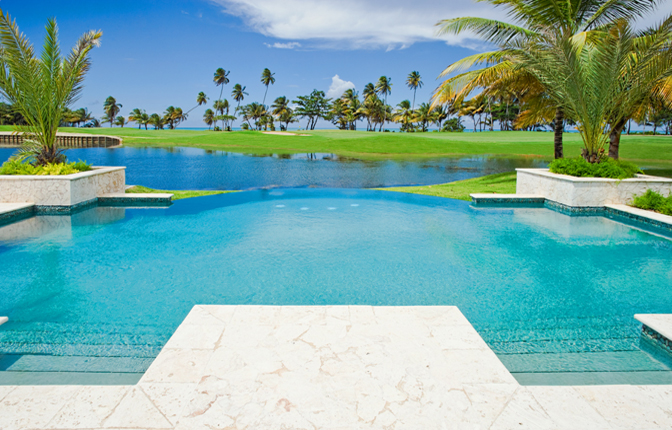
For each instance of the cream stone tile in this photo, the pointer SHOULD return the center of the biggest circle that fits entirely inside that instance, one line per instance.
(487, 401)
(222, 313)
(201, 317)
(136, 411)
(568, 409)
(472, 366)
(523, 412)
(625, 406)
(33, 406)
(170, 399)
(5, 390)
(457, 337)
(195, 337)
(660, 395)
(178, 365)
(245, 316)
(362, 315)
(89, 407)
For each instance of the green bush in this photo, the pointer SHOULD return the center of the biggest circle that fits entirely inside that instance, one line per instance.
(606, 169)
(14, 167)
(653, 201)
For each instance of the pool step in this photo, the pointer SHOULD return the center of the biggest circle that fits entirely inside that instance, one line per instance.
(104, 348)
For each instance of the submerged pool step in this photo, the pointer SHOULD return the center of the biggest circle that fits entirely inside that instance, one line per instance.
(141, 351)
(50, 363)
(568, 345)
(81, 338)
(622, 361)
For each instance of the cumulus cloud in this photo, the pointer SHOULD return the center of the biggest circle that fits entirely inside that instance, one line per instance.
(347, 24)
(279, 45)
(338, 87)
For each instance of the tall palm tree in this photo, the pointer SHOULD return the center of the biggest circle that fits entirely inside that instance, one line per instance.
(201, 99)
(40, 88)
(220, 106)
(157, 121)
(384, 87)
(137, 116)
(221, 78)
(111, 109)
(280, 106)
(267, 78)
(120, 121)
(404, 115)
(414, 81)
(238, 95)
(570, 19)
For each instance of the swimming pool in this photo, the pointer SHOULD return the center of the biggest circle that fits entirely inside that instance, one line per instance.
(554, 296)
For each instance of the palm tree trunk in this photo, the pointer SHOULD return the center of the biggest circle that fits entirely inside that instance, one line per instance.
(264, 102)
(414, 90)
(615, 139)
(558, 129)
(629, 123)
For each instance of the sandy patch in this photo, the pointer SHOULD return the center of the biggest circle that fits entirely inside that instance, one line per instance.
(284, 133)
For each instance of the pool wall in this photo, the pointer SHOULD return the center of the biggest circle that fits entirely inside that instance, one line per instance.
(587, 192)
(62, 191)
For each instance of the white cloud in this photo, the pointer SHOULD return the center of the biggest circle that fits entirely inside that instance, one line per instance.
(279, 45)
(347, 24)
(338, 87)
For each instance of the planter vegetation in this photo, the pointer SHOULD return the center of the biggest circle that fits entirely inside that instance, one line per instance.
(653, 201)
(581, 168)
(15, 167)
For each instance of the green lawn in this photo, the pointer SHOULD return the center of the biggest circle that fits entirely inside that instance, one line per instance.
(652, 151)
(501, 183)
(177, 195)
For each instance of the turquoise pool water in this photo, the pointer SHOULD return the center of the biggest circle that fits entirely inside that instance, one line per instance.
(554, 296)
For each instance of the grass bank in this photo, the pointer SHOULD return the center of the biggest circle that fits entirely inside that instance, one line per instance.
(501, 183)
(648, 151)
(177, 195)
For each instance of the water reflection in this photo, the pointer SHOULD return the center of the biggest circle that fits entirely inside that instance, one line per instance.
(191, 168)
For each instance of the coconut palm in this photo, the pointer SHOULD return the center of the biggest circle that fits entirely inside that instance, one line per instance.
(157, 121)
(414, 81)
(221, 78)
(201, 99)
(571, 19)
(209, 118)
(120, 121)
(39, 88)
(238, 95)
(111, 109)
(424, 116)
(280, 106)
(137, 116)
(404, 116)
(267, 79)
(384, 87)
(368, 90)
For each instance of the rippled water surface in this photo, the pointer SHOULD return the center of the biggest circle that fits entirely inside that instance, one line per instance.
(102, 290)
(190, 168)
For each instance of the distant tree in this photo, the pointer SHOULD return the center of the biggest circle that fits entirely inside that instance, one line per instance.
(120, 121)
(414, 81)
(313, 107)
(221, 78)
(138, 116)
(405, 116)
(111, 109)
(267, 78)
(201, 99)
(424, 116)
(369, 90)
(157, 121)
(209, 118)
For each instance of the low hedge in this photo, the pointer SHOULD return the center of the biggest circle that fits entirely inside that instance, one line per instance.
(605, 169)
(653, 201)
(20, 168)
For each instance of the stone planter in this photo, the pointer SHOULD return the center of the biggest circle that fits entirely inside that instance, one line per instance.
(587, 192)
(65, 191)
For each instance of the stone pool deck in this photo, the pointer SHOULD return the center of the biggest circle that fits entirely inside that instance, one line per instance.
(331, 367)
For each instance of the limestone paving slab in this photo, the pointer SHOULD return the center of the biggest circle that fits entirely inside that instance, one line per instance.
(331, 367)
(661, 323)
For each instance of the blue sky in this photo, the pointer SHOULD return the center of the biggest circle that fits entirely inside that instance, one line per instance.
(160, 53)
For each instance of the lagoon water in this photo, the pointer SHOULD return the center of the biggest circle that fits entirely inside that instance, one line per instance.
(191, 168)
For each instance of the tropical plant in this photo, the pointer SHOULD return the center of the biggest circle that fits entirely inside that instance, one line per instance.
(40, 88)
(238, 95)
(138, 116)
(424, 116)
(405, 116)
(201, 99)
(368, 91)
(221, 78)
(209, 118)
(157, 121)
(384, 87)
(267, 78)
(414, 81)
(544, 25)
(120, 121)
(220, 107)
(111, 109)
(174, 116)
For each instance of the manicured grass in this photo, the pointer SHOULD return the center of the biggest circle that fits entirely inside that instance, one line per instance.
(501, 183)
(177, 195)
(647, 151)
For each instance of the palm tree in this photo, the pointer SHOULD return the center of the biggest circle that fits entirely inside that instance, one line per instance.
(280, 105)
(120, 121)
(209, 118)
(440, 115)
(111, 109)
(405, 116)
(384, 87)
(39, 88)
(424, 115)
(571, 20)
(267, 79)
(221, 78)
(414, 81)
(137, 116)
(220, 107)
(157, 121)
(201, 99)
(238, 95)
(368, 90)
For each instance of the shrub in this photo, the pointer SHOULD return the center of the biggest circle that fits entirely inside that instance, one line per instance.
(653, 201)
(14, 167)
(605, 169)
